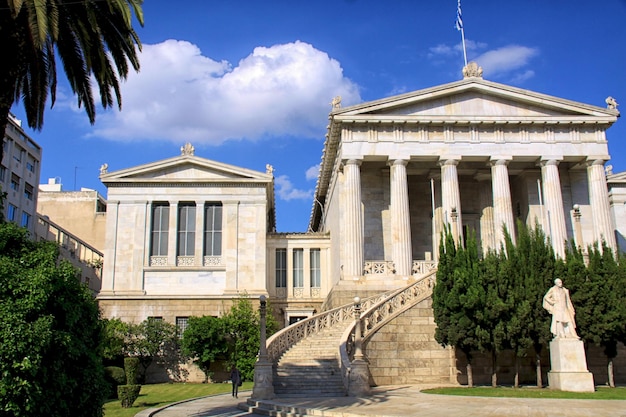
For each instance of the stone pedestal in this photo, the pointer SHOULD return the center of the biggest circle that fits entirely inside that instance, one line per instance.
(569, 366)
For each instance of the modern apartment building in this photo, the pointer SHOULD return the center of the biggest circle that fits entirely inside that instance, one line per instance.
(19, 175)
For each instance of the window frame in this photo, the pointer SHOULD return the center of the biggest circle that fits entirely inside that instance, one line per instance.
(281, 268)
(159, 245)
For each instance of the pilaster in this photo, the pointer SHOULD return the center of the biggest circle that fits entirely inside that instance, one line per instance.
(172, 234)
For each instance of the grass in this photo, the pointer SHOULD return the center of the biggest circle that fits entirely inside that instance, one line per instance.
(601, 393)
(158, 395)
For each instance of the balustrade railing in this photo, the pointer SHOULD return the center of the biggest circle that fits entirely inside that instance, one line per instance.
(376, 315)
(418, 268)
(284, 339)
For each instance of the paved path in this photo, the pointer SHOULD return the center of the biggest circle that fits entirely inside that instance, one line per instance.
(402, 401)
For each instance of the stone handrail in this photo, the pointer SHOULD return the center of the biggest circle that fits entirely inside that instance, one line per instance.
(376, 315)
(284, 339)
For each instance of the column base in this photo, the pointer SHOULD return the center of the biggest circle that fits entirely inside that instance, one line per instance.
(263, 388)
(359, 379)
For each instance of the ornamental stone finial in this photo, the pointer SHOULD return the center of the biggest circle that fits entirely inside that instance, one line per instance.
(187, 149)
(269, 169)
(104, 168)
(611, 103)
(472, 70)
(336, 102)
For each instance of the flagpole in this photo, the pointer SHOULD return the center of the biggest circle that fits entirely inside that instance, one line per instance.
(464, 50)
(459, 26)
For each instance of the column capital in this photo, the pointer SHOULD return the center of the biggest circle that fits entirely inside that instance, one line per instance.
(550, 162)
(398, 161)
(453, 160)
(500, 160)
(593, 160)
(352, 161)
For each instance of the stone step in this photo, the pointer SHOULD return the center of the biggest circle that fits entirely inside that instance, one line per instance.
(269, 408)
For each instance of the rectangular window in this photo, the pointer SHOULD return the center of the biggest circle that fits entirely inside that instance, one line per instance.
(298, 268)
(316, 271)
(15, 182)
(30, 164)
(3, 173)
(28, 191)
(281, 268)
(160, 229)
(25, 220)
(181, 324)
(186, 229)
(11, 213)
(213, 229)
(18, 153)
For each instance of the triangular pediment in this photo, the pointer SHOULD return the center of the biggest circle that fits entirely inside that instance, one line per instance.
(475, 99)
(185, 168)
(619, 178)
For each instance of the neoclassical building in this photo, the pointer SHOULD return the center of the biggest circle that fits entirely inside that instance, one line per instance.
(187, 235)
(472, 154)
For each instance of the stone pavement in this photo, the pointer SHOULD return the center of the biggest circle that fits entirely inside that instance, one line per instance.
(400, 401)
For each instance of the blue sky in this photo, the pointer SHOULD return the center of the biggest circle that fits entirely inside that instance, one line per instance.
(250, 82)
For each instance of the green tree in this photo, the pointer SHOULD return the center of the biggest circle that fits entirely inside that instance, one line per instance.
(114, 342)
(599, 303)
(204, 341)
(92, 38)
(50, 359)
(243, 333)
(154, 340)
(457, 296)
(517, 329)
(494, 310)
(532, 269)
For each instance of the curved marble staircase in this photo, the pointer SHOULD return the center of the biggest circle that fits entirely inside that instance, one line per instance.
(311, 367)
(312, 358)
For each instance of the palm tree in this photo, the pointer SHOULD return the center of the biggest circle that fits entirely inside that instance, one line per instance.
(92, 38)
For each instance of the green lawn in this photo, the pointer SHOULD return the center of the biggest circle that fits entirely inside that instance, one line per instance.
(601, 393)
(158, 395)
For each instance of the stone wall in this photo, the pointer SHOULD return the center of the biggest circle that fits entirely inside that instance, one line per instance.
(405, 351)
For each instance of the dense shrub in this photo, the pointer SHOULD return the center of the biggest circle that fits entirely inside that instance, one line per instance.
(131, 366)
(128, 394)
(115, 376)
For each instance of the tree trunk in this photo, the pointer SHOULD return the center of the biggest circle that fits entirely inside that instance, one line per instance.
(538, 370)
(609, 371)
(516, 383)
(470, 375)
(494, 375)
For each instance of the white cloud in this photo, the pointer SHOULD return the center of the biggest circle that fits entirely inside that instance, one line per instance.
(182, 95)
(506, 59)
(286, 191)
(313, 172)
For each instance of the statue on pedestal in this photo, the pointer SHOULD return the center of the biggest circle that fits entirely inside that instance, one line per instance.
(559, 304)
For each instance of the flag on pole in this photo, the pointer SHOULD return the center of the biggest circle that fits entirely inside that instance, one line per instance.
(459, 17)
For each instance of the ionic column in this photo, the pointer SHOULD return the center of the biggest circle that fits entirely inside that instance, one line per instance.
(599, 199)
(199, 247)
(172, 234)
(353, 265)
(553, 200)
(502, 205)
(451, 196)
(400, 219)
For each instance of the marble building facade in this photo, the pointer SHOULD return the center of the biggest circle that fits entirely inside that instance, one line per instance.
(186, 236)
